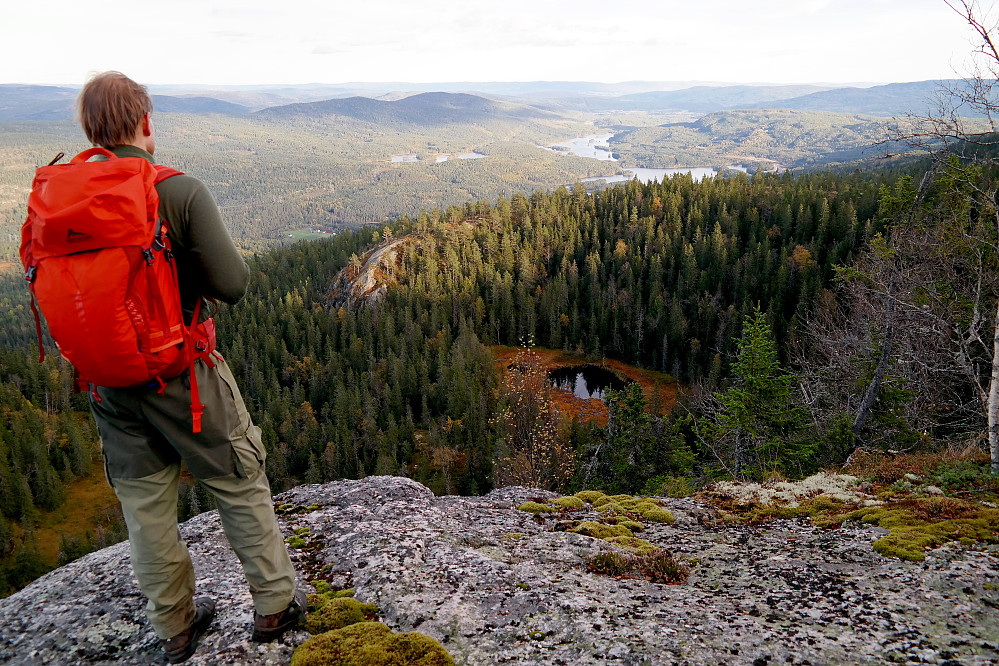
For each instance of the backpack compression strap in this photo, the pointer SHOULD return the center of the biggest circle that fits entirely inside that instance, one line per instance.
(197, 408)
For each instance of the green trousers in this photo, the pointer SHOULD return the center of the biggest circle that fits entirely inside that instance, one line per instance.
(144, 437)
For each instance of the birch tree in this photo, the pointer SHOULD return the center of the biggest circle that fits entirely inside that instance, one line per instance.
(950, 250)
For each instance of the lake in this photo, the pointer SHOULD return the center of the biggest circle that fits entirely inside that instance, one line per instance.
(412, 157)
(597, 146)
(585, 381)
(647, 175)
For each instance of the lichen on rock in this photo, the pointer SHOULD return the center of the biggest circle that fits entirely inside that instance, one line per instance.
(496, 585)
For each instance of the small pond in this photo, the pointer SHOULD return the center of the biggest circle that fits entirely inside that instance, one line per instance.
(585, 381)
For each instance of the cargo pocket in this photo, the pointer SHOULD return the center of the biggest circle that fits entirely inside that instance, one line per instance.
(247, 446)
(249, 452)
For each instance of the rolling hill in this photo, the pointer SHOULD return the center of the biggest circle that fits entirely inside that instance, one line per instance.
(432, 108)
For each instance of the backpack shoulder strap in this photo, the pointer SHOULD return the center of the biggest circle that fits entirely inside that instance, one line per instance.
(164, 172)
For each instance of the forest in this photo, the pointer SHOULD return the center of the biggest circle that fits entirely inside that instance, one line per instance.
(764, 296)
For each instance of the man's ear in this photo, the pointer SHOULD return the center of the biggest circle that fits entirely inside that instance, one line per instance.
(147, 127)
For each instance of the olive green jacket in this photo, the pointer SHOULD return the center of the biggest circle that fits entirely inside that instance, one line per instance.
(208, 262)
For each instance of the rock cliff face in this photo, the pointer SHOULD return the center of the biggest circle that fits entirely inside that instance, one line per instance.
(499, 586)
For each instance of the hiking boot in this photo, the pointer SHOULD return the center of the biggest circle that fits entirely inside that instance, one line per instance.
(182, 646)
(268, 627)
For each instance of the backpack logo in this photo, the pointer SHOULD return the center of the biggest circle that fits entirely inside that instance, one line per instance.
(77, 236)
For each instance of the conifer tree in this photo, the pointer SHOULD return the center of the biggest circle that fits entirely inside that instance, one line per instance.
(757, 426)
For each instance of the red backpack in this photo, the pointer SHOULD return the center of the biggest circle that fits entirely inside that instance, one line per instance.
(98, 262)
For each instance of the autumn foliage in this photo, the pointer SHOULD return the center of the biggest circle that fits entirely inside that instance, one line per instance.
(534, 449)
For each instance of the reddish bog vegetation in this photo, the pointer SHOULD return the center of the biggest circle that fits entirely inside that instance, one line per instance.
(659, 388)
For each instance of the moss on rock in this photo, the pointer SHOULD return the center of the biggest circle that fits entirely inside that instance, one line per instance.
(370, 644)
(633, 544)
(569, 502)
(917, 525)
(295, 542)
(612, 508)
(535, 507)
(339, 613)
(601, 531)
(317, 601)
(590, 496)
(658, 515)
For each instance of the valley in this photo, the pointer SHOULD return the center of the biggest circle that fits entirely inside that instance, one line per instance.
(349, 161)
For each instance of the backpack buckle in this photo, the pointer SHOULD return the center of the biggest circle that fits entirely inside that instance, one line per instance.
(158, 243)
(148, 254)
(31, 274)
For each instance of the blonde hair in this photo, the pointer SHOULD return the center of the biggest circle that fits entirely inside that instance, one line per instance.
(110, 108)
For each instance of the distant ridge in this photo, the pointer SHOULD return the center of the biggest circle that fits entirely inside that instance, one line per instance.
(893, 99)
(697, 99)
(170, 104)
(432, 108)
(27, 102)
(461, 103)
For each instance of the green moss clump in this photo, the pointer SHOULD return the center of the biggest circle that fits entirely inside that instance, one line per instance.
(822, 505)
(601, 531)
(612, 507)
(322, 587)
(917, 525)
(633, 544)
(295, 542)
(339, 613)
(620, 500)
(590, 496)
(302, 531)
(569, 502)
(515, 535)
(534, 507)
(317, 601)
(658, 515)
(370, 644)
(632, 525)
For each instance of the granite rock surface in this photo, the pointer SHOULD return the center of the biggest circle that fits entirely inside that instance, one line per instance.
(500, 586)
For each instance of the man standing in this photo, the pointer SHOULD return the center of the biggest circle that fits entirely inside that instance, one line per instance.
(147, 431)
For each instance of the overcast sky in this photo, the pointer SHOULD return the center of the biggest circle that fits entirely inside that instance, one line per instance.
(328, 41)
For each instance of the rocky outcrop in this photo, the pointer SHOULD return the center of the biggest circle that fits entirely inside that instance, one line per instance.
(368, 281)
(500, 586)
